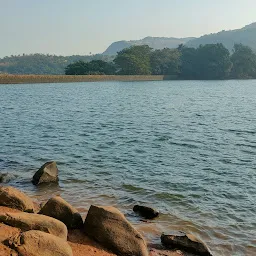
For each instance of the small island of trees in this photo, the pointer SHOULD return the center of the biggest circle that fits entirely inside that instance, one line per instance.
(207, 62)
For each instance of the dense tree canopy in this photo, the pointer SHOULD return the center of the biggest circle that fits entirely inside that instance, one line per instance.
(41, 64)
(188, 63)
(165, 62)
(134, 60)
(211, 61)
(94, 67)
(244, 62)
(207, 62)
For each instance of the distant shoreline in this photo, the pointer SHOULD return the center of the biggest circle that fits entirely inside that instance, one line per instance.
(31, 79)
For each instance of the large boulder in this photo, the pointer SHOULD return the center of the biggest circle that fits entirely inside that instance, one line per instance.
(186, 242)
(46, 174)
(29, 221)
(59, 209)
(13, 198)
(146, 212)
(35, 243)
(109, 227)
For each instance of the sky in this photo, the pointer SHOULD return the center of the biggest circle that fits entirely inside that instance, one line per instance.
(69, 27)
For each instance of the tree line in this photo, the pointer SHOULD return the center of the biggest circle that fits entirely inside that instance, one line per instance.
(43, 64)
(207, 62)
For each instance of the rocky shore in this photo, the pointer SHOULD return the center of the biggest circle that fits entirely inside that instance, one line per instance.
(56, 228)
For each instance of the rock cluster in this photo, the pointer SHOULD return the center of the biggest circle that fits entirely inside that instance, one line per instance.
(26, 233)
(29, 221)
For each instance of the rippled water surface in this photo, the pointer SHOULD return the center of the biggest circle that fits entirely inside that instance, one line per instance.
(185, 148)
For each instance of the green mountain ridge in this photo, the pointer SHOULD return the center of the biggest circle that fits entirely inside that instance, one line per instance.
(153, 42)
(245, 35)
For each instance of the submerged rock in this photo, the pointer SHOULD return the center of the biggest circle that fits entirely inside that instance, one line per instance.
(109, 227)
(146, 212)
(59, 209)
(30, 221)
(46, 174)
(35, 243)
(13, 198)
(6, 177)
(185, 242)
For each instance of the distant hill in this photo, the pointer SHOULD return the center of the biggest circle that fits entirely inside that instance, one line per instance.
(154, 42)
(245, 35)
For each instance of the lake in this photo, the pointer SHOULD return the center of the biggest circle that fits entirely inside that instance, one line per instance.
(187, 148)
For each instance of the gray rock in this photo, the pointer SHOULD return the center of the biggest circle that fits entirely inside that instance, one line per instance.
(46, 174)
(59, 209)
(186, 242)
(109, 227)
(146, 212)
(6, 177)
(30, 221)
(13, 198)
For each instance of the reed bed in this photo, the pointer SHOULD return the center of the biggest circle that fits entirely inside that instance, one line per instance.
(31, 79)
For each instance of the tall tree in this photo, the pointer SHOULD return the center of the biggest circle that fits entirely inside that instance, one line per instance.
(165, 62)
(211, 61)
(214, 61)
(188, 58)
(244, 62)
(134, 60)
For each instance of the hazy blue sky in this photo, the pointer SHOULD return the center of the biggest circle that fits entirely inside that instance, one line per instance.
(69, 27)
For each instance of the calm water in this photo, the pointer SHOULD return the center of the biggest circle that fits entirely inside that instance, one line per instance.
(186, 148)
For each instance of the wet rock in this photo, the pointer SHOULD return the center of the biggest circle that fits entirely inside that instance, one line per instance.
(109, 227)
(157, 252)
(185, 242)
(35, 243)
(160, 250)
(146, 212)
(46, 174)
(29, 221)
(6, 177)
(13, 198)
(59, 209)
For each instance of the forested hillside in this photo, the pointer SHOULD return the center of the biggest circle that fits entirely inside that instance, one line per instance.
(207, 62)
(245, 36)
(153, 42)
(43, 64)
